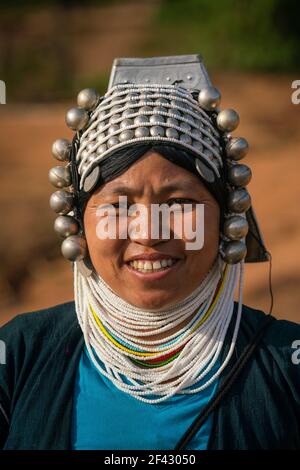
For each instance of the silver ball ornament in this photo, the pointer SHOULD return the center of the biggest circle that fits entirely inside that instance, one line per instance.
(236, 227)
(239, 200)
(237, 148)
(66, 225)
(61, 202)
(61, 150)
(234, 252)
(77, 118)
(228, 120)
(60, 176)
(88, 98)
(209, 98)
(74, 248)
(239, 175)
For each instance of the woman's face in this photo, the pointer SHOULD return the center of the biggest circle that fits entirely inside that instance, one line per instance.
(152, 180)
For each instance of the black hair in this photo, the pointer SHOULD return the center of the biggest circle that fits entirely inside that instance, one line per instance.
(116, 163)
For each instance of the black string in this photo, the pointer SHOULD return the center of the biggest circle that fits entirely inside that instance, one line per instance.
(225, 386)
(235, 371)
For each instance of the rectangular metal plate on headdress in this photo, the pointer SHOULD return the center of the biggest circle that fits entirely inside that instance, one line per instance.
(186, 70)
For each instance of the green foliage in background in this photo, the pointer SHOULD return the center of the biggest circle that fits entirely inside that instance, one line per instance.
(38, 62)
(259, 35)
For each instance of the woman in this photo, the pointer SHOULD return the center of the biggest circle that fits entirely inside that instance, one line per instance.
(154, 339)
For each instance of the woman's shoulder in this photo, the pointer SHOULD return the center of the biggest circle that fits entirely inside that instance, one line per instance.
(31, 324)
(280, 342)
(279, 329)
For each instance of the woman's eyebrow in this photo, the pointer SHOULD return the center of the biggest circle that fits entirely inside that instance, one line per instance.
(172, 187)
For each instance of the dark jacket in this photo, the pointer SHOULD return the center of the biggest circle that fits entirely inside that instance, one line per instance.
(43, 348)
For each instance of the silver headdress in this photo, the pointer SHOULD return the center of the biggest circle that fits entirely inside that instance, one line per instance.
(161, 99)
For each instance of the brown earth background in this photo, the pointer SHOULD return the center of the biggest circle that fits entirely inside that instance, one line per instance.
(33, 274)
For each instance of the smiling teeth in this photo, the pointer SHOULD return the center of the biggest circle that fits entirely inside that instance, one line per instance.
(152, 266)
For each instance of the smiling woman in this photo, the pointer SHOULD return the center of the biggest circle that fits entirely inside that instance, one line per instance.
(154, 353)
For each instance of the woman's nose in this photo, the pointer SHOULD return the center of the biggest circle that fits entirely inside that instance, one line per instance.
(147, 228)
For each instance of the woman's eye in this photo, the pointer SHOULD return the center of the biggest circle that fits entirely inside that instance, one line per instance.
(179, 200)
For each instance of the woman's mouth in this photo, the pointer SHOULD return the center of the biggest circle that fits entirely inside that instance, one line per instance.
(152, 270)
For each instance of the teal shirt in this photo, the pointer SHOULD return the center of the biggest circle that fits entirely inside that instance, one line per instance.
(43, 350)
(105, 417)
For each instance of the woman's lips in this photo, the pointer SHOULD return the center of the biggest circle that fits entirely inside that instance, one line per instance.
(154, 275)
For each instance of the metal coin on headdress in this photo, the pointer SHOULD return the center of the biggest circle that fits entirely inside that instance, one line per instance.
(91, 179)
(206, 173)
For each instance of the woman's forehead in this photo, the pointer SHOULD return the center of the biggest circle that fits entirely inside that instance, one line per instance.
(152, 171)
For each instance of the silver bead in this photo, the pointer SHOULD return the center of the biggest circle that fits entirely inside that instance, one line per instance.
(66, 225)
(209, 98)
(197, 134)
(101, 149)
(161, 101)
(61, 202)
(160, 109)
(239, 200)
(102, 114)
(175, 112)
(101, 125)
(61, 150)
(156, 118)
(77, 118)
(236, 227)
(88, 98)
(128, 112)
(60, 176)
(142, 132)
(185, 127)
(140, 120)
(156, 131)
(126, 135)
(239, 175)
(126, 122)
(172, 133)
(197, 145)
(113, 128)
(228, 120)
(172, 121)
(145, 109)
(186, 139)
(233, 252)
(115, 108)
(114, 118)
(112, 141)
(74, 248)
(237, 148)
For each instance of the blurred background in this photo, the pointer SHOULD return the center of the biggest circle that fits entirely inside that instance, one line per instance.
(49, 50)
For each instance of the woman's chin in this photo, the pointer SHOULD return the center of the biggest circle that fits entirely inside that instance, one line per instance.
(152, 302)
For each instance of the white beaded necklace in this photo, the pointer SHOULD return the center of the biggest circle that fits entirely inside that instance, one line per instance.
(97, 304)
